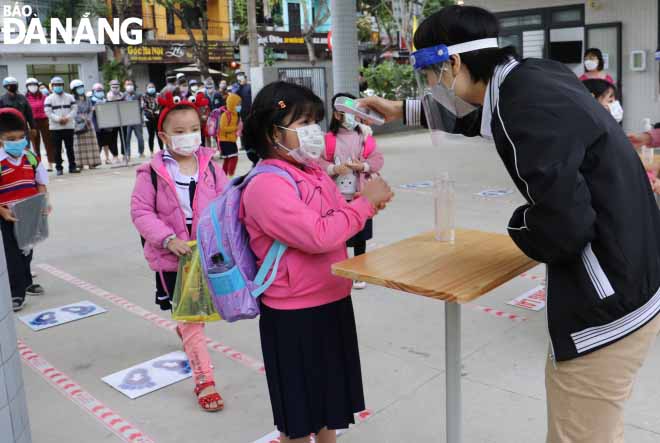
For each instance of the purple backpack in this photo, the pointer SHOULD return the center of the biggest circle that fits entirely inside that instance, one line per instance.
(228, 262)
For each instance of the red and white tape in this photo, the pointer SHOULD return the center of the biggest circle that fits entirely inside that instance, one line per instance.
(74, 392)
(157, 320)
(274, 437)
(497, 313)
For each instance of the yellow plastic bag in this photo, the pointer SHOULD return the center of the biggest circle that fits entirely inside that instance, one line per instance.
(192, 299)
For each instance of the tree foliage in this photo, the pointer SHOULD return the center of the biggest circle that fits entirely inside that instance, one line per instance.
(391, 80)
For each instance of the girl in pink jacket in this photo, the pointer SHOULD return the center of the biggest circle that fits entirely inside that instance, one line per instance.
(350, 158)
(307, 326)
(170, 194)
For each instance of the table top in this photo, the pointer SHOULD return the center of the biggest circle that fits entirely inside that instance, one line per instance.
(474, 265)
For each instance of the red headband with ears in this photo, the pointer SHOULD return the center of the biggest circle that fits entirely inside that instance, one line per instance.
(169, 102)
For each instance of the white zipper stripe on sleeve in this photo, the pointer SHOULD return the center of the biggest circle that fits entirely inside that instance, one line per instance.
(600, 335)
(596, 274)
(515, 156)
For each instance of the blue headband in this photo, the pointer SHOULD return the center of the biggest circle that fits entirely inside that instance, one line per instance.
(440, 53)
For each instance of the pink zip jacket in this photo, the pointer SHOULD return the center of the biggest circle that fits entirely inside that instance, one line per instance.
(351, 144)
(315, 227)
(156, 223)
(36, 102)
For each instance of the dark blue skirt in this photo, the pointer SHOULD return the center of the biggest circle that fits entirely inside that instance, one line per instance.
(312, 367)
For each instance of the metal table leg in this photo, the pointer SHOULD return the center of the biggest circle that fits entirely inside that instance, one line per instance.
(454, 402)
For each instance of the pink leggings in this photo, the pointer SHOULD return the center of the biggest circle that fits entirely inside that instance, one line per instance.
(194, 344)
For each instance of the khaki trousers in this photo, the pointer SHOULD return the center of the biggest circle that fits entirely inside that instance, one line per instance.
(586, 395)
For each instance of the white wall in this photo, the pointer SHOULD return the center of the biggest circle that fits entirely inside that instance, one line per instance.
(17, 66)
(640, 31)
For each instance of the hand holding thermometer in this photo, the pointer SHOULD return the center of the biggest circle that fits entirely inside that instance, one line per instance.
(350, 106)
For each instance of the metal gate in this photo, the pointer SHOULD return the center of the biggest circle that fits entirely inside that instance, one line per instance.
(312, 78)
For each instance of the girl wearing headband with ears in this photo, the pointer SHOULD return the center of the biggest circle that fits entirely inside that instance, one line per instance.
(170, 194)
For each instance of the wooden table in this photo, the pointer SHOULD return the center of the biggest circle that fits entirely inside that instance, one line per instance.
(460, 272)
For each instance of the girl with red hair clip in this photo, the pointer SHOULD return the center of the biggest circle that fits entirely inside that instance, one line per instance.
(169, 196)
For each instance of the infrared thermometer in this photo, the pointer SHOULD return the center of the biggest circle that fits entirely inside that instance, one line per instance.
(350, 106)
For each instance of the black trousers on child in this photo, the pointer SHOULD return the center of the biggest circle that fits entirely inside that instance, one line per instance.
(66, 136)
(18, 264)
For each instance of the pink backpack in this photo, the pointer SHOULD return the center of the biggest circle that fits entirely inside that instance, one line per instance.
(213, 122)
(368, 146)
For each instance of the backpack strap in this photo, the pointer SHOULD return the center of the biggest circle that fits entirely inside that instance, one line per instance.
(272, 260)
(212, 169)
(369, 146)
(330, 146)
(154, 179)
(32, 159)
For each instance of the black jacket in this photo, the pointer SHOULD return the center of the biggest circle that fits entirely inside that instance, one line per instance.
(591, 215)
(20, 103)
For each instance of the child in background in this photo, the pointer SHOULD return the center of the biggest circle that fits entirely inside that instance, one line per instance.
(166, 217)
(350, 158)
(605, 93)
(22, 177)
(228, 133)
(307, 325)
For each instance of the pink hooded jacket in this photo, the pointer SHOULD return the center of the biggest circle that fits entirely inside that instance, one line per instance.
(315, 227)
(157, 215)
(347, 145)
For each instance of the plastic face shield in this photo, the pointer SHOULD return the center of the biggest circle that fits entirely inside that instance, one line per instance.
(443, 108)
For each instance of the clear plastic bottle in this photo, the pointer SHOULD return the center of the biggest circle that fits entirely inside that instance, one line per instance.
(444, 198)
(647, 153)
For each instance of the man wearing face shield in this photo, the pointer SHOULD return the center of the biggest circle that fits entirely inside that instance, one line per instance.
(583, 184)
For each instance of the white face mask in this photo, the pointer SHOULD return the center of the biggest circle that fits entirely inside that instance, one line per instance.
(590, 65)
(186, 144)
(33, 88)
(616, 110)
(311, 142)
(130, 88)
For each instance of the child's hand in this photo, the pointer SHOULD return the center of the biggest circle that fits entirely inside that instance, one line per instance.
(639, 140)
(355, 165)
(7, 215)
(178, 247)
(378, 192)
(342, 169)
(656, 186)
(47, 211)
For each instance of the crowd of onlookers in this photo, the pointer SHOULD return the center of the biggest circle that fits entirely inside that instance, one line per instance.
(61, 116)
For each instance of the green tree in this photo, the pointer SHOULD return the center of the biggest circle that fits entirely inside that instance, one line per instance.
(391, 80)
(198, 20)
(75, 9)
(239, 19)
(114, 70)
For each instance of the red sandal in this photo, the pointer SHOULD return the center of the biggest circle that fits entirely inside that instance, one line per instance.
(206, 400)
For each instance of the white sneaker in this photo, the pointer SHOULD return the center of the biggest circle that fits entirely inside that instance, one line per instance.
(359, 284)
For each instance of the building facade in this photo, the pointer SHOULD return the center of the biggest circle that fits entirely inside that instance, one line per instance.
(625, 31)
(43, 61)
(167, 45)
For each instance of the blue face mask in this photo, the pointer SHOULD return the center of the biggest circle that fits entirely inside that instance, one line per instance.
(80, 90)
(151, 90)
(15, 148)
(238, 108)
(44, 91)
(99, 94)
(58, 89)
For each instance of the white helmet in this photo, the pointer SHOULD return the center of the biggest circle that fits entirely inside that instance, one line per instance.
(31, 81)
(9, 81)
(76, 84)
